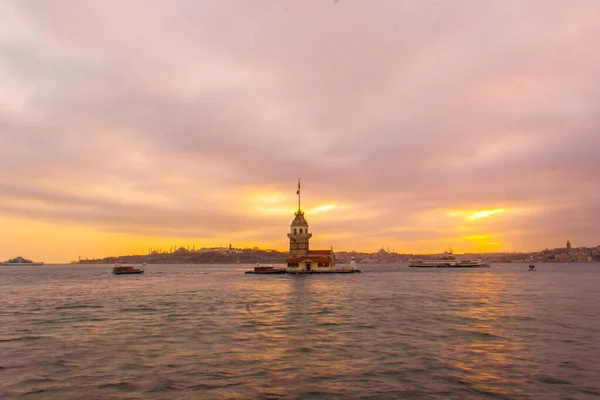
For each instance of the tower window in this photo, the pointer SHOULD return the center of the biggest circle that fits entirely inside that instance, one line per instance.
(295, 231)
(301, 231)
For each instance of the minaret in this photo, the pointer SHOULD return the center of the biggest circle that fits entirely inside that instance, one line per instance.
(299, 235)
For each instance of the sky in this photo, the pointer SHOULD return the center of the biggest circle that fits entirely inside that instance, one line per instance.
(414, 125)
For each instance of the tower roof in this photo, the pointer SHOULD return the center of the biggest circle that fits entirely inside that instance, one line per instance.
(299, 220)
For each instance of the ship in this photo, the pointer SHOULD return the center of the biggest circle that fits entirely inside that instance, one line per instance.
(20, 261)
(447, 260)
(266, 269)
(119, 269)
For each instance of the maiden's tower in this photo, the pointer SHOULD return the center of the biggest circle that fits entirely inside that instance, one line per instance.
(302, 259)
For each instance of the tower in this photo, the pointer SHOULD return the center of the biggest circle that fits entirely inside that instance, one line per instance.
(299, 235)
(302, 259)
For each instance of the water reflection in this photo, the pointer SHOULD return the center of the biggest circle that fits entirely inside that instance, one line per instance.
(294, 326)
(388, 333)
(483, 350)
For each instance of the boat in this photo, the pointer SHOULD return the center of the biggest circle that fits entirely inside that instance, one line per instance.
(266, 269)
(119, 269)
(20, 261)
(448, 260)
(531, 267)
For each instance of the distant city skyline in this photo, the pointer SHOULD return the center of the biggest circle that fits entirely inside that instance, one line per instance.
(413, 125)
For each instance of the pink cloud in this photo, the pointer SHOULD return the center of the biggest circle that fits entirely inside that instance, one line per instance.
(395, 107)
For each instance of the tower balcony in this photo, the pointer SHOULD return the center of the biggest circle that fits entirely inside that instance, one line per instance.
(299, 235)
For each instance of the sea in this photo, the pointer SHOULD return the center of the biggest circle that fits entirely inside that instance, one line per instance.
(213, 332)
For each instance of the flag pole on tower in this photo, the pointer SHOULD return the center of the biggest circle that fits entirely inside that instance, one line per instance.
(298, 193)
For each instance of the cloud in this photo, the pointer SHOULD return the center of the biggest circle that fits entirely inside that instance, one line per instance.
(153, 118)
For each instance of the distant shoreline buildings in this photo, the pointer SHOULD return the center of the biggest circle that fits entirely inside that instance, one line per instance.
(232, 255)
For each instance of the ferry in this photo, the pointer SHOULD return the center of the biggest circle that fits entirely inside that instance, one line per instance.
(119, 269)
(20, 261)
(266, 269)
(448, 260)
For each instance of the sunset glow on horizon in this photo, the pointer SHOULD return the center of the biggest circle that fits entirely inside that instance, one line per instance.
(129, 126)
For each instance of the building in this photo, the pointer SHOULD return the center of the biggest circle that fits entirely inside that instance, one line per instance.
(302, 258)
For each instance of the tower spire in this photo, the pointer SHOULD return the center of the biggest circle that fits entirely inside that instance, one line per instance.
(298, 193)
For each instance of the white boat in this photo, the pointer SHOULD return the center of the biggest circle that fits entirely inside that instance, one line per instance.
(448, 260)
(20, 261)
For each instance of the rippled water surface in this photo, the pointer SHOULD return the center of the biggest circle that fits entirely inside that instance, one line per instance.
(211, 332)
